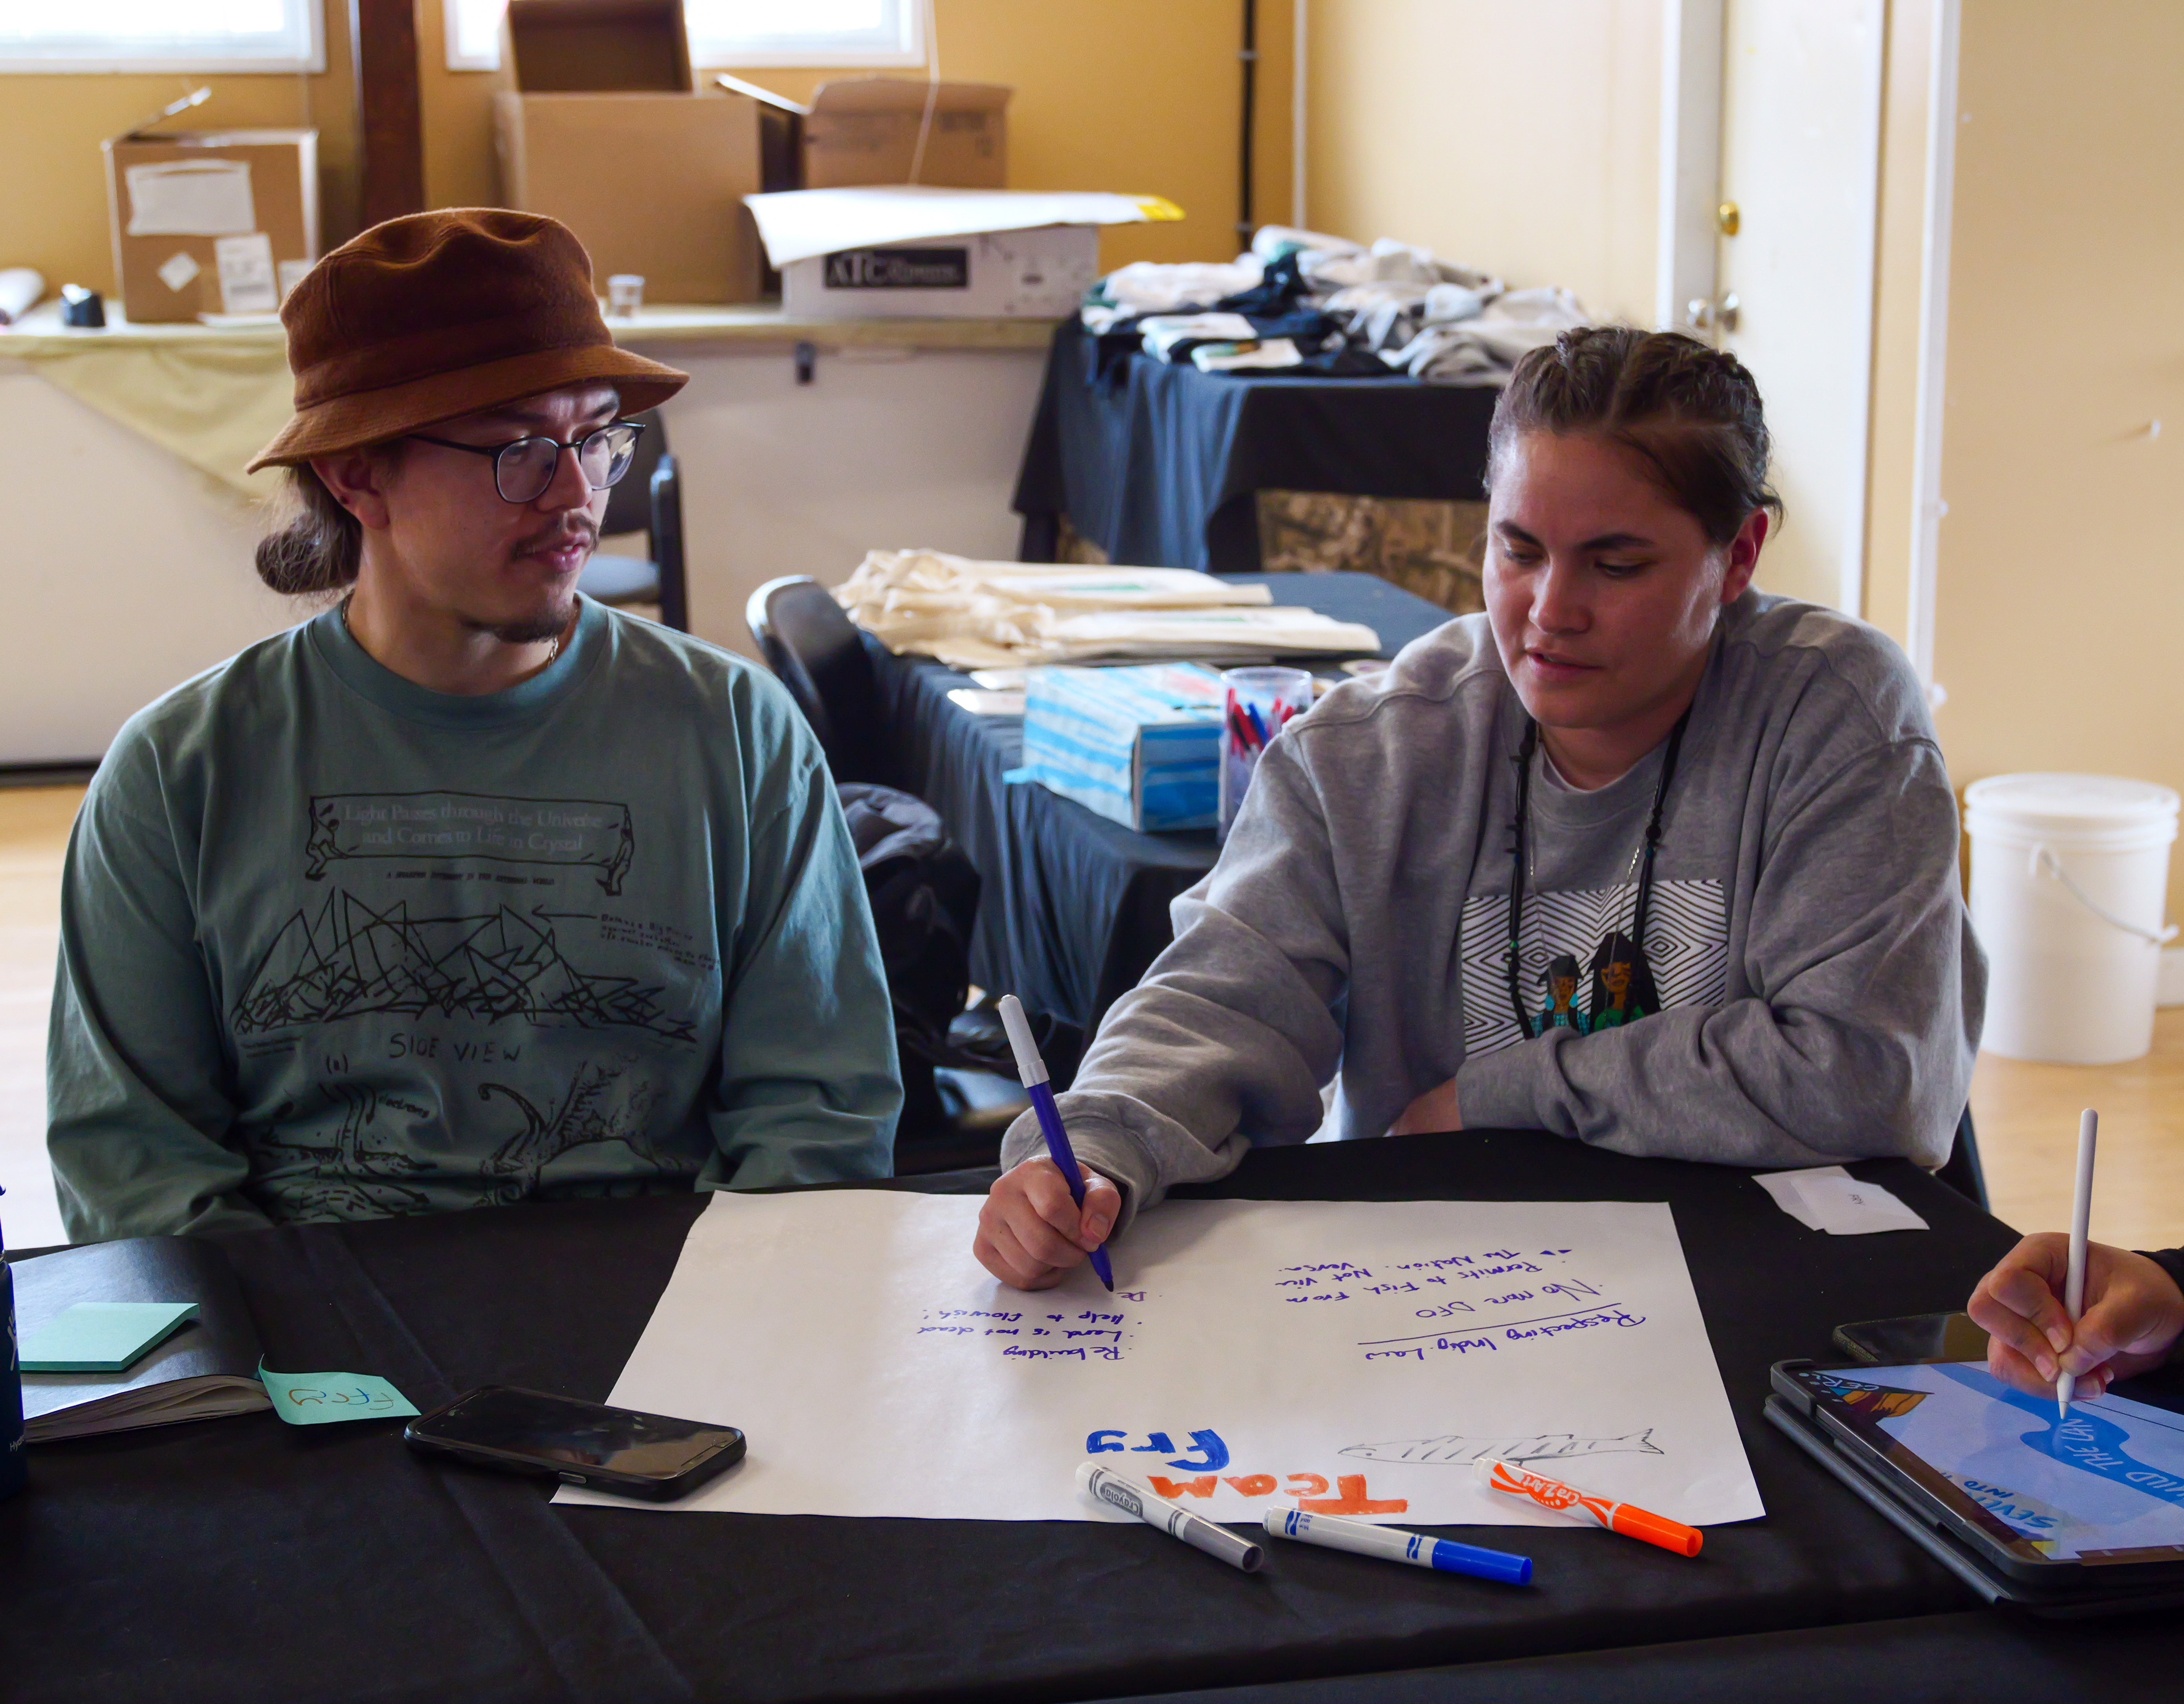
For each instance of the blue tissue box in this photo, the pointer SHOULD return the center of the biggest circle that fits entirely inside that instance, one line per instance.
(1141, 745)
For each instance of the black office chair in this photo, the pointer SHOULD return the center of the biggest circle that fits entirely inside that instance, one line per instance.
(1961, 1170)
(647, 499)
(819, 656)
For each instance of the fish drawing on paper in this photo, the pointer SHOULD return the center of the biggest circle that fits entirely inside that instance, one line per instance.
(1456, 1449)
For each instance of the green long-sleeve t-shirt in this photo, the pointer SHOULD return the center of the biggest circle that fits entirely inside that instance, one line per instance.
(334, 946)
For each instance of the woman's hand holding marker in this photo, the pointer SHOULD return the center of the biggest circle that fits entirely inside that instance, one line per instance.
(1031, 1232)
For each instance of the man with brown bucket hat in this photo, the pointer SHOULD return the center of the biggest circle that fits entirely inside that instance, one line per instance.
(470, 889)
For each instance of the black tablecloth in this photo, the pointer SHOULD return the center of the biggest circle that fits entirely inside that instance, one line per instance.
(1156, 463)
(1974, 1655)
(1074, 907)
(241, 1559)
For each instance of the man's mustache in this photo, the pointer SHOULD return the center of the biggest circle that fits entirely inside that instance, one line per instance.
(560, 537)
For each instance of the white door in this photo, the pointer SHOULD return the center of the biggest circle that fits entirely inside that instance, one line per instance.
(1799, 151)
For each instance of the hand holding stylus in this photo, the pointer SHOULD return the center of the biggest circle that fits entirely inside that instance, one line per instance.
(2134, 1314)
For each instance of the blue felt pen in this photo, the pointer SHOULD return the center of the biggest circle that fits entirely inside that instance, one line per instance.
(1033, 1069)
(1362, 1538)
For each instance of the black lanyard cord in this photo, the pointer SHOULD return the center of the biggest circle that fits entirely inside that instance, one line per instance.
(1640, 913)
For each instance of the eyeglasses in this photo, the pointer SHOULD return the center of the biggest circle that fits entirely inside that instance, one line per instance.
(522, 471)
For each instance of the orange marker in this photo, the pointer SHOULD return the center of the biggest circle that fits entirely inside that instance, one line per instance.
(1617, 1518)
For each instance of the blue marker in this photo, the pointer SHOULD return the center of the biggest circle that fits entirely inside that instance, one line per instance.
(1033, 1069)
(1363, 1538)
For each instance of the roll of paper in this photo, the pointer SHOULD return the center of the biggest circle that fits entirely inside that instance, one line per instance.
(21, 290)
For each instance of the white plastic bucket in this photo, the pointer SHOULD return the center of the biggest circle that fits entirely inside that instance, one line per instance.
(2070, 881)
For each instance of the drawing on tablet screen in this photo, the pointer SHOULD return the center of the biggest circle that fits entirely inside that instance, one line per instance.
(1455, 1450)
(2106, 1481)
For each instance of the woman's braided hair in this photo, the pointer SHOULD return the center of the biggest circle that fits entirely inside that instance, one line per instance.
(1689, 412)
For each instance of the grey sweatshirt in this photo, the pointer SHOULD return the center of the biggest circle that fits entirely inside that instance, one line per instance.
(1820, 990)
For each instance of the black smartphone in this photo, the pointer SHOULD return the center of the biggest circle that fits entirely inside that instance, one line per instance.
(1913, 1337)
(617, 1450)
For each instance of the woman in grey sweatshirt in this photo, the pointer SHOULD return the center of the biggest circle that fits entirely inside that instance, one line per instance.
(1722, 814)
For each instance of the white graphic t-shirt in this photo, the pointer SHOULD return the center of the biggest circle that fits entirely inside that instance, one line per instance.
(1574, 958)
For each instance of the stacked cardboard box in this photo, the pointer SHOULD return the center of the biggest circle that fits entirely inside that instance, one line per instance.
(210, 221)
(606, 129)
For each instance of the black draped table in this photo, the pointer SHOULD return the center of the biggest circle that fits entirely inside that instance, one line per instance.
(1074, 907)
(1158, 463)
(241, 1559)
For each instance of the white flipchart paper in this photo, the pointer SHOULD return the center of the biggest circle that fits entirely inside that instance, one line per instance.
(797, 224)
(1351, 1357)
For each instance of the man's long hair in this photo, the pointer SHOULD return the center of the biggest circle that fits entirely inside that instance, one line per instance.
(316, 544)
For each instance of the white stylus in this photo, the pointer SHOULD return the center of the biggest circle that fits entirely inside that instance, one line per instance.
(2074, 1285)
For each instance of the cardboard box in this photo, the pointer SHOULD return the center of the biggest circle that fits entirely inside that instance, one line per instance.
(605, 133)
(1041, 273)
(1140, 747)
(568, 46)
(860, 131)
(863, 130)
(211, 221)
(650, 183)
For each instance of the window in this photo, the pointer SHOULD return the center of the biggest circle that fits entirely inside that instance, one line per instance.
(738, 32)
(161, 36)
(805, 32)
(473, 34)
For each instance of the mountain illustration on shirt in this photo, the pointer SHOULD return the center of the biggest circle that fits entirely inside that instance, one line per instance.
(350, 1144)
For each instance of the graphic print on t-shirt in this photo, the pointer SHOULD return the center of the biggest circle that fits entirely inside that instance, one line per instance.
(576, 833)
(1686, 951)
(479, 924)
(350, 958)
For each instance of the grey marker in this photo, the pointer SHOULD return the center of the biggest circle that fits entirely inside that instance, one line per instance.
(1107, 1486)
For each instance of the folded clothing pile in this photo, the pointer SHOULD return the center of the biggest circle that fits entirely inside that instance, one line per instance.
(973, 615)
(1307, 303)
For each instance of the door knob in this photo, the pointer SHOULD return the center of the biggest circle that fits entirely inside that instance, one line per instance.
(1727, 218)
(1702, 314)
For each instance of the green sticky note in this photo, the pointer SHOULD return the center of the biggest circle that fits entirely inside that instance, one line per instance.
(102, 1337)
(322, 1399)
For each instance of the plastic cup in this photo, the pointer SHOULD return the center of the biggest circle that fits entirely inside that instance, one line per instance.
(625, 294)
(1256, 702)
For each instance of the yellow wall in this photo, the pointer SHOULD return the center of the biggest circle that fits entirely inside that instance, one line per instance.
(53, 193)
(1524, 138)
(1132, 95)
(2061, 593)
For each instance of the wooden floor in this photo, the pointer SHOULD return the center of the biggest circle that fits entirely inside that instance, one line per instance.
(2027, 1114)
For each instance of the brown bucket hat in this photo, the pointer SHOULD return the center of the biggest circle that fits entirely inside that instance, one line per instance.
(437, 315)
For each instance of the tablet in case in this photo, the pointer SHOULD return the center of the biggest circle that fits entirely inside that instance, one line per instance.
(2063, 1518)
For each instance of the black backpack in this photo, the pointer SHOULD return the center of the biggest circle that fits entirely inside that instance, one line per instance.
(924, 896)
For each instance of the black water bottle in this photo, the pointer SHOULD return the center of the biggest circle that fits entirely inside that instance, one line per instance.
(14, 1469)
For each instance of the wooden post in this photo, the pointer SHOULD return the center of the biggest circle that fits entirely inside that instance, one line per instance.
(389, 108)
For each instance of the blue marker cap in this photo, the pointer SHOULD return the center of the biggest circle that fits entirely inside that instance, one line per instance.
(1450, 1557)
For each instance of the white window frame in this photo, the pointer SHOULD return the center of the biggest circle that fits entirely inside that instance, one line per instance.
(710, 52)
(908, 47)
(95, 54)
